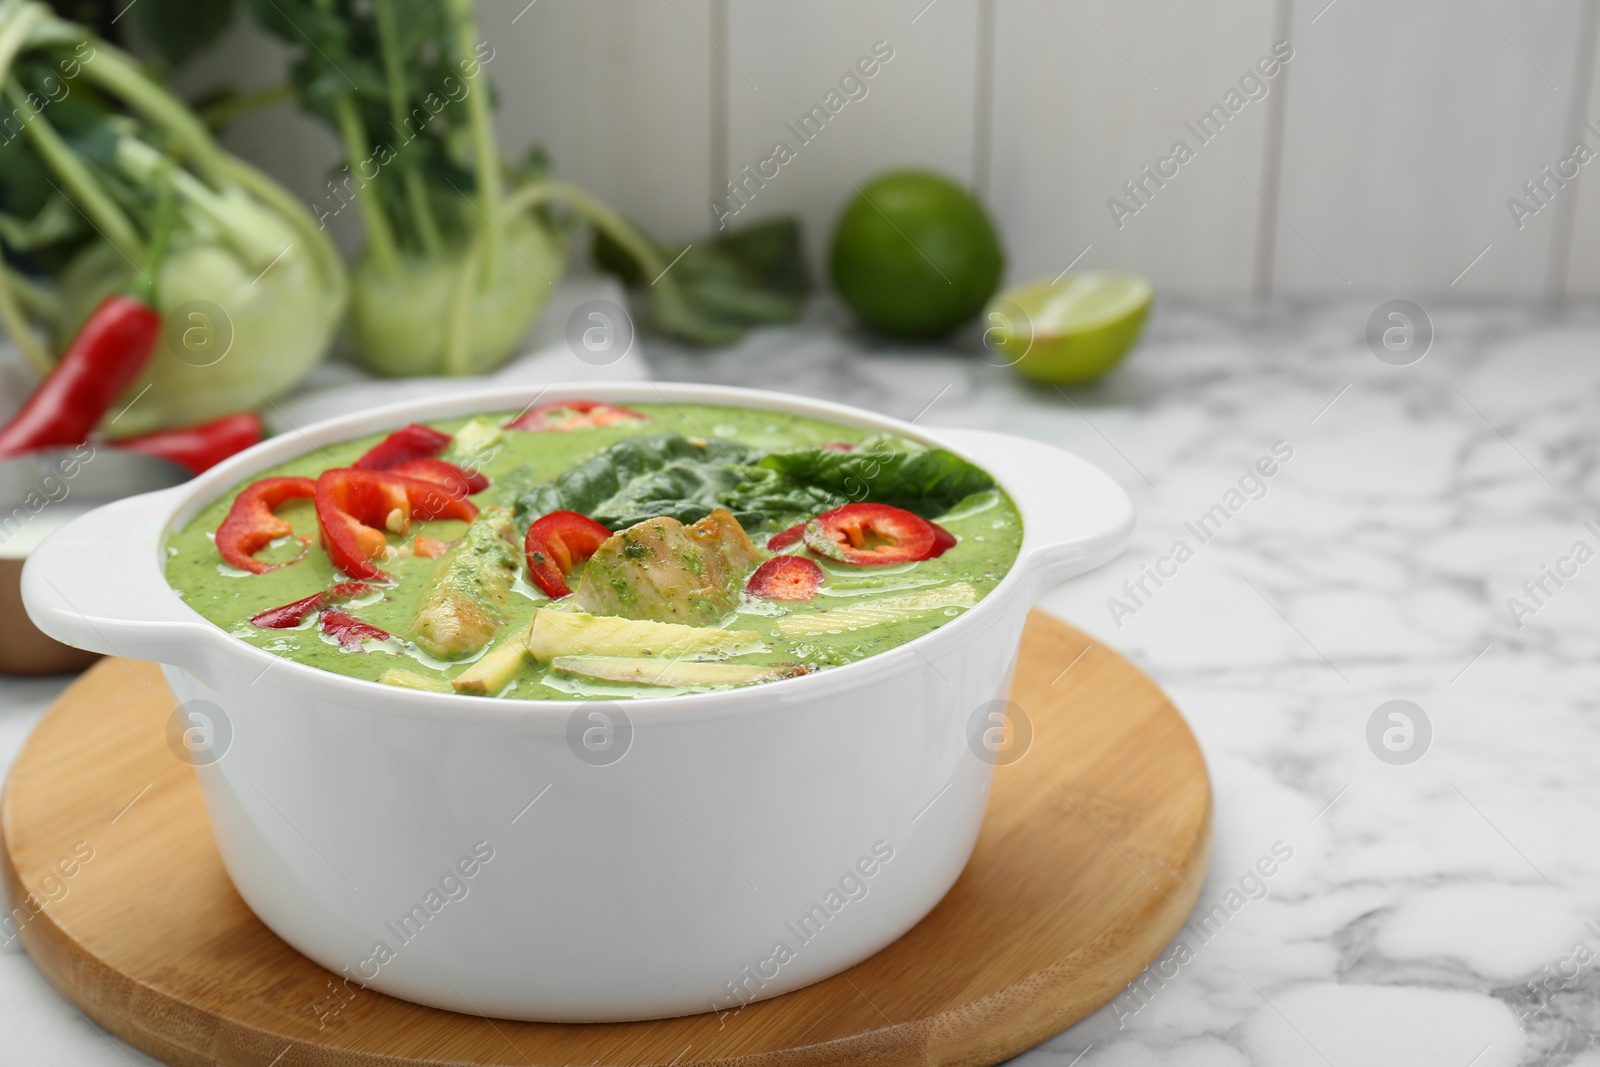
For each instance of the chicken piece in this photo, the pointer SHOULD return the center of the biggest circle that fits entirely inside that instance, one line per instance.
(662, 570)
(460, 611)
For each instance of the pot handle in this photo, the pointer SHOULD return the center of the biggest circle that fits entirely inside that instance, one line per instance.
(97, 584)
(1074, 516)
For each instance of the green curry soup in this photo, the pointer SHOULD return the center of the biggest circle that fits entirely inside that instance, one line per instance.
(658, 608)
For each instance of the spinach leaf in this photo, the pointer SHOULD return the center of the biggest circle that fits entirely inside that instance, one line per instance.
(928, 481)
(643, 477)
(667, 474)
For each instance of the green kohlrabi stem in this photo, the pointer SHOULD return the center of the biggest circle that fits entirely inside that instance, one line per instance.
(166, 220)
(458, 331)
(91, 197)
(16, 24)
(274, 196)
(356, 148)
(394, 76)
(147, 166)
(613, 225)
(485, 151)
(114, 70)
(220, 114)
(17, 326)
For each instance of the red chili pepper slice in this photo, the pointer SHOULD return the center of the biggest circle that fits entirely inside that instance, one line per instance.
(349, 630)
(838, 446)
(787, 537)
(870, 535)
(943, 541)
(556, 543)
(415, 441)
(580, 415)
(109, 351)
(288, 616)
(198, 448)
(786, 578)
(458, 480)
(251, 524)
(354, 508)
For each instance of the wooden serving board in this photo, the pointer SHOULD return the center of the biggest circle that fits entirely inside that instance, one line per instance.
(1092, 853)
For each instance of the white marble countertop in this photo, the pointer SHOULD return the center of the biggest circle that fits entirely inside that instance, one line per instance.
(1440, 912)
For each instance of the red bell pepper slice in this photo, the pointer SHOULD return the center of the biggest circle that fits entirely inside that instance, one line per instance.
(870, 535)
(288, 616)
(943, 541)
(786, 578)
(109, 351)
(355, 507)
(349, 630)
(251, 524)
(458, 480)
(415, 441)
(198, 448)
(838, 446)
(556, 543)
(580, 415)
(793, 534)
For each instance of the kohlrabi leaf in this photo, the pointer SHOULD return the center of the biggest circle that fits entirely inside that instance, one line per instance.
(178, 29)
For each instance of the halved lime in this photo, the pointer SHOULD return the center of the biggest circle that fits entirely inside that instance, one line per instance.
(1071, 330)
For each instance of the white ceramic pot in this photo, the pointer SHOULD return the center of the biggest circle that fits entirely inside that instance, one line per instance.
(574, 861)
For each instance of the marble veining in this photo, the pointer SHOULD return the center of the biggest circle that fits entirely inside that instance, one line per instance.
(1442, 912)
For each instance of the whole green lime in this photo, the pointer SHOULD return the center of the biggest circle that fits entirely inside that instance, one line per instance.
(915, 254)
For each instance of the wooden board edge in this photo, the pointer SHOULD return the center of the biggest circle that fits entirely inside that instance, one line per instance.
(988, 1031)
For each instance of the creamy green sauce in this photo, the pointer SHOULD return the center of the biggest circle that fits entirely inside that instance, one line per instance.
(988, 529)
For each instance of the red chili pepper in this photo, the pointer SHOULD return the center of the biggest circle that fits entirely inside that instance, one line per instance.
(787, 537)
(349, 630)
(870, 535)
(458, 480)
(198, 448)
(109, 351)
(786, 578)
(354, 507)
(288, 616)
(556, 543)
(838, 446)
(251, 524)
(582, 415)
(415, 441)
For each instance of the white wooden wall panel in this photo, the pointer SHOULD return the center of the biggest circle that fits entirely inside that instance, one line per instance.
(1406, 126)
(918, 110)
(618, 92)
(1581, 278)
(1409, 126)
(1088, 92)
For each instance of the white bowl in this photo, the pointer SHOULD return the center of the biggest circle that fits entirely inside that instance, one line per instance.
(647, 868)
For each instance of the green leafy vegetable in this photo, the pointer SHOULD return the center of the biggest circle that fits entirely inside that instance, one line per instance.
(668, 474)
(927, 481)
(179, 29)
(748, 278)
(641, 478)
(462, 250)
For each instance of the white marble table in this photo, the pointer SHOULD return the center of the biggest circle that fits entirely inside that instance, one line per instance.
(1432, 914)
